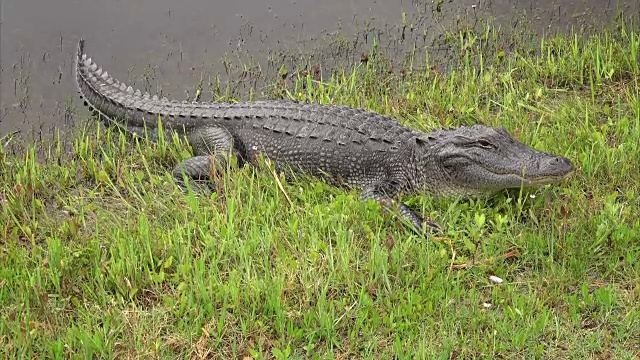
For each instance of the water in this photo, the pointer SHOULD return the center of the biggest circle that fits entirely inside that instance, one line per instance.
(171, 46)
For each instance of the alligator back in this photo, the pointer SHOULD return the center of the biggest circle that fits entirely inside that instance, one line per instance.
(310, 135)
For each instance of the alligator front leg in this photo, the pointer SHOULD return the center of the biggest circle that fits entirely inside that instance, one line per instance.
(383, 193)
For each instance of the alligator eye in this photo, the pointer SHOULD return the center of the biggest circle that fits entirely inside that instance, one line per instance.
(485, 143)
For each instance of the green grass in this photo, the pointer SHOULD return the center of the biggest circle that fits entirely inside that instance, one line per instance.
(102, 256)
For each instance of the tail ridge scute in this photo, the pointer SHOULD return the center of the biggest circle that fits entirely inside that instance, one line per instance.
(105, 95)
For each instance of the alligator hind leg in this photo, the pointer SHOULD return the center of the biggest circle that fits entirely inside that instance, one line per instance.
(212, 146)
(383, 192)
(199, 170)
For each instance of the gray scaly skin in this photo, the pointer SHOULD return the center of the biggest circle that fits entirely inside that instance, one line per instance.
(357, 148)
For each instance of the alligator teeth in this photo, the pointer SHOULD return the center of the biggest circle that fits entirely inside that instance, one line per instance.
(165, 99)
(105, 75)
(138, 93)
(99, 72)
(123, 87)
(155, 97)
(130, 90)
(93, 67)
(84, 57)
(87, 62)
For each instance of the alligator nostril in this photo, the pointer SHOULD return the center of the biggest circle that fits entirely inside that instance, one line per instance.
(562, 162)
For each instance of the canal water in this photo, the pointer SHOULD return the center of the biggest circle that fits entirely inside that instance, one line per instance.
(170, 47)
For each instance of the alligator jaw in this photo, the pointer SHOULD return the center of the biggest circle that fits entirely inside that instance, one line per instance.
(546, 180)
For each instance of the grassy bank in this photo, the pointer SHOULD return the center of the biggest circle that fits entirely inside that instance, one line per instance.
(103, 256)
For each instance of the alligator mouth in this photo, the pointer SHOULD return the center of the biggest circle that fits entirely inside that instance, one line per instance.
(545, 179)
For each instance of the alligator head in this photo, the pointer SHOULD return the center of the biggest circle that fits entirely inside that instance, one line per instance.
(481, 159)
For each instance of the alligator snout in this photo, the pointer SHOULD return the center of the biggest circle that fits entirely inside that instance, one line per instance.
(558, 165)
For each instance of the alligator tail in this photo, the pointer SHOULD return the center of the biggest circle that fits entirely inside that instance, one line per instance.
(130, 109)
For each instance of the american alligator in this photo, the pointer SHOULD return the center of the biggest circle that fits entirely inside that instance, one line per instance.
(355, 147)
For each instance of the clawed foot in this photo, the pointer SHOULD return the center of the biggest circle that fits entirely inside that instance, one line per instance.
(432, 227)
(423, 226)
(199, 187)
(203, 173)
